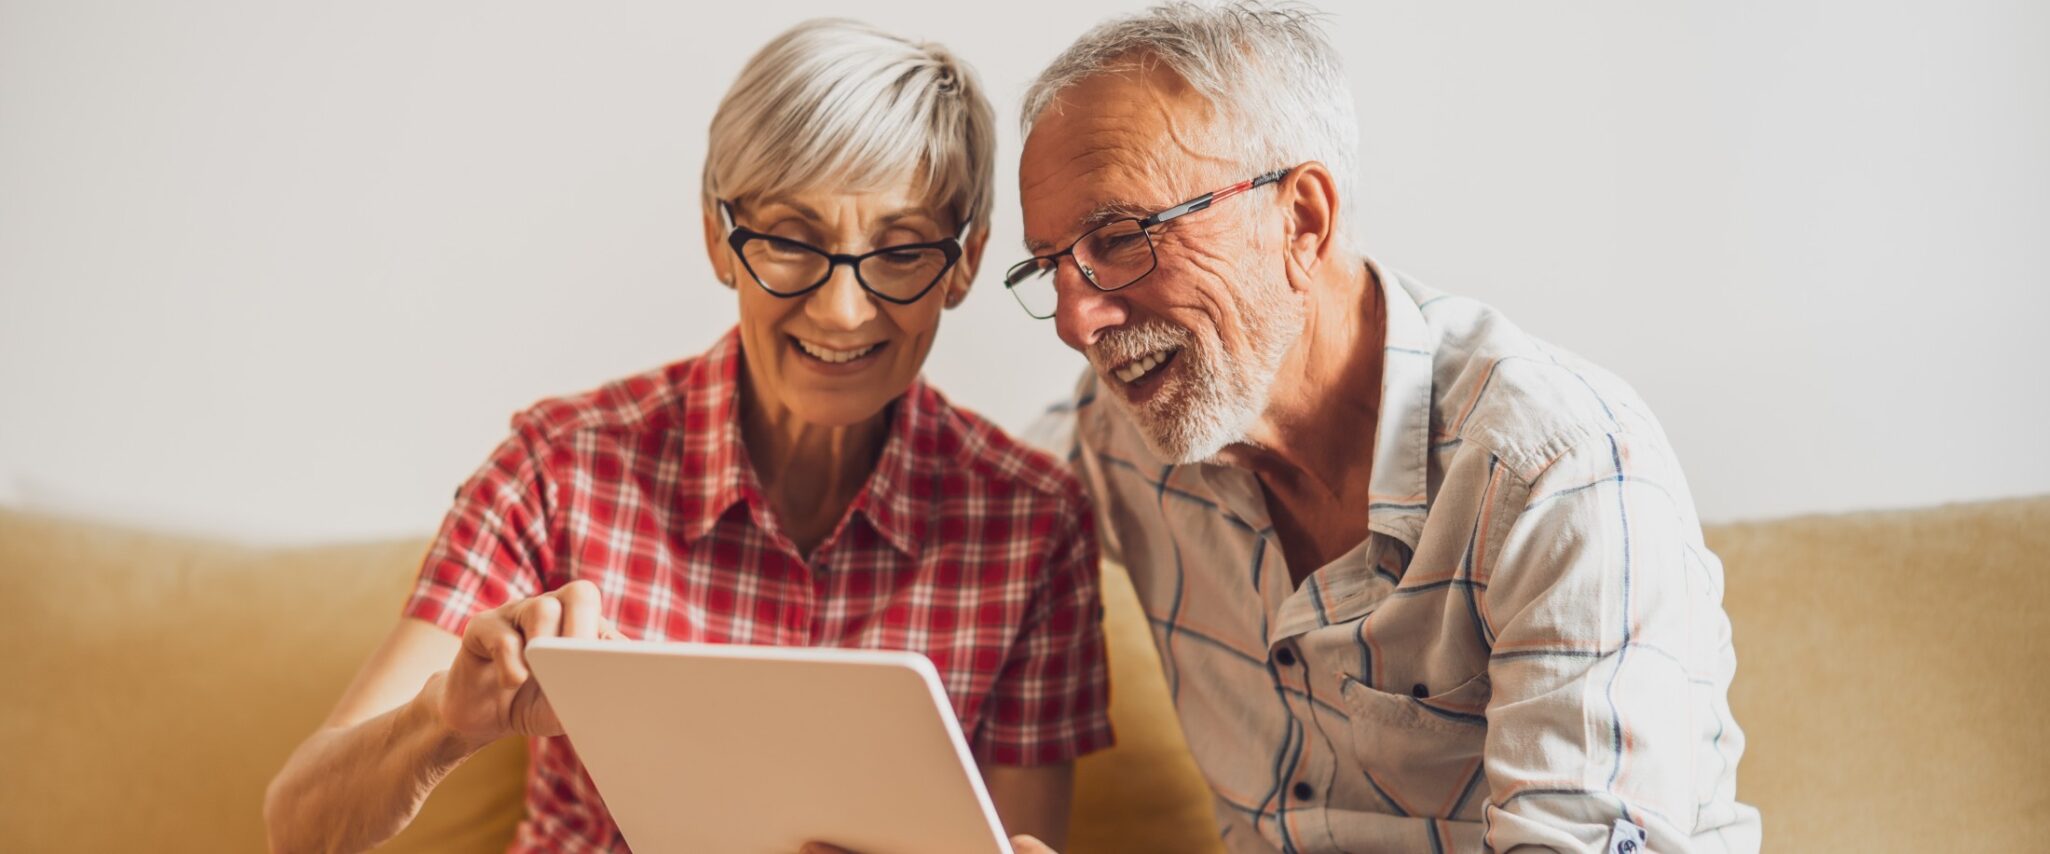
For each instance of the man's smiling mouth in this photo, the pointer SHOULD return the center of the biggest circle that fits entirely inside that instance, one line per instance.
(1130, 373)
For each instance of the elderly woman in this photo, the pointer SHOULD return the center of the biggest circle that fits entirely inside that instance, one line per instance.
(794, 484)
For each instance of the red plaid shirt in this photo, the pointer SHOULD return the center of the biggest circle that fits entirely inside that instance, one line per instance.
(963, 545)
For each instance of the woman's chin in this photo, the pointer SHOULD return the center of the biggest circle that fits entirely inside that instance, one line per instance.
(838, 407)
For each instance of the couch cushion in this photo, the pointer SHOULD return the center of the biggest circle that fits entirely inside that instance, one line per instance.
(1145, 794)
(1890, 676)
(155, 683)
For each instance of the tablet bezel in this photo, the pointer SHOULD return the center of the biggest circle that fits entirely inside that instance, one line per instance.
(589, 676)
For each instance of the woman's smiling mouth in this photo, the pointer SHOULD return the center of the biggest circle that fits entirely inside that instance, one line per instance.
(822, 355)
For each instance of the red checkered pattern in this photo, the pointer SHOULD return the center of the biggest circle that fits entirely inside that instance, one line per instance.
(964, 545)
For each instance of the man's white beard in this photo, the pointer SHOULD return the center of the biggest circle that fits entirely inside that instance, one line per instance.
(1216, 396)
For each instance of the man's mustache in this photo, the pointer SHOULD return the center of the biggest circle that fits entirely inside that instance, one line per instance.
(1124, 344)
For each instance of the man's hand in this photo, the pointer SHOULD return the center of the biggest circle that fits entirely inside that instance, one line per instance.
(488, 693)
(1019, 844)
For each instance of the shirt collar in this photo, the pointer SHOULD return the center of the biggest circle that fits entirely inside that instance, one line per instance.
(897, 498)
(718, 473)
(1398, 493)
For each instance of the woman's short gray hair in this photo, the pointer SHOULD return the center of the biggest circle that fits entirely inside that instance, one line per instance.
(838, 104)
(1278, 84)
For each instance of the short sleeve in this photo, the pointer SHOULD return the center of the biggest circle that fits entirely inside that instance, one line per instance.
(493, 545)
(1051, 701)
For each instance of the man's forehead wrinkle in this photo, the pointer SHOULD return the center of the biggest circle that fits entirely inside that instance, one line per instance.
(1133, 140)
(1100, 159)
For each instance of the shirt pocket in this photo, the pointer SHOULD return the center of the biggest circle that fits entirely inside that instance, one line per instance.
(1424, 754)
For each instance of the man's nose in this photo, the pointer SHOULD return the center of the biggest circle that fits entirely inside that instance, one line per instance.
(840, 303)
(1081, 311)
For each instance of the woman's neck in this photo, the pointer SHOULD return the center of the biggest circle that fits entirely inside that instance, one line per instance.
(809, 473)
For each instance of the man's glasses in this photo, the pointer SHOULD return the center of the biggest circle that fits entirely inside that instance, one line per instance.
(792, 268)
(1112, 255)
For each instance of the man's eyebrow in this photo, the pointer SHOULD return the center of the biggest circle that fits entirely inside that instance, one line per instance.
(1116, 209)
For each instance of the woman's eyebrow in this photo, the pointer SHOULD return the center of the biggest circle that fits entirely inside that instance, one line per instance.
(799, 207)
(906, 213)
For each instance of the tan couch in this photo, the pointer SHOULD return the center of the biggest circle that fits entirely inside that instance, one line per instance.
(1891, 679)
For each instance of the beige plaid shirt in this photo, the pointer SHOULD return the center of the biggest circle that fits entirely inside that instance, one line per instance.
(1529, 647)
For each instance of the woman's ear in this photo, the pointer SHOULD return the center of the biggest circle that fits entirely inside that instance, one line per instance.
(715, 245)
(963, 276)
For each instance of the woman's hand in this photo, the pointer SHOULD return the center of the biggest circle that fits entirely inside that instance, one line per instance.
(488, 693)
(1019, 845)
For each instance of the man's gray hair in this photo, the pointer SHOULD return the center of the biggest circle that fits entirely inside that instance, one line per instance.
(1277, 83)
(839, 105)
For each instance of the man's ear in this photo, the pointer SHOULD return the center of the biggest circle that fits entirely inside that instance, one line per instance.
(963, 275)
(716, 249)
(1311, 197)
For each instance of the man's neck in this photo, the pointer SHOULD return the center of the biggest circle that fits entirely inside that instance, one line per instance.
(1313, 447)
(1329, 385)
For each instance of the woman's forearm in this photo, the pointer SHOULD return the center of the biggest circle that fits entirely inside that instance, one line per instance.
(1033, 800)
(351, 788)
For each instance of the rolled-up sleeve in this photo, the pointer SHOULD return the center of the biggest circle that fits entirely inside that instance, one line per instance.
(1608, 630)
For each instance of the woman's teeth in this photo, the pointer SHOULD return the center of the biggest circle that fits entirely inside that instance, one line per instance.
(831, 356)
(1134, 370)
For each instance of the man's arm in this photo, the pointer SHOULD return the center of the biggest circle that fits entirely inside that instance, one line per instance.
(1610, 656)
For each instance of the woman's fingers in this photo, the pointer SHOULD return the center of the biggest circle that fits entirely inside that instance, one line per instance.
(497, 639)
(539, 617)
(494, 640)
(531, 713)
(580, 612)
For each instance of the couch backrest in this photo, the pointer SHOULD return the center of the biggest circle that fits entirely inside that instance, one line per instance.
(1891, 677)
(155, 683)
(1889, 682)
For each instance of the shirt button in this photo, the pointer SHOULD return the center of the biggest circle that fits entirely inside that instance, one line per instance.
(1419, 691)
(1303, 791)
(1284, 657)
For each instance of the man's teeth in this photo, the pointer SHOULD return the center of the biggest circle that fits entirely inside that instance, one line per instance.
(824, 354)
(1134, 370)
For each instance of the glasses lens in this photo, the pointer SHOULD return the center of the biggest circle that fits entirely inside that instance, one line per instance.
(784, 266)
(903, 273)
(1115, 255)
(1032, 283)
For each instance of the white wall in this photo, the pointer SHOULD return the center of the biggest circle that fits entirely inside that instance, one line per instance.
(283, 270)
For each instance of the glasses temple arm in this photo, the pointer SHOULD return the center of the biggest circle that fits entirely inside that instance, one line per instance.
(1207, 199)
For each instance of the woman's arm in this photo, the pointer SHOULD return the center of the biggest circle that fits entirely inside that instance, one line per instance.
(1033, 800)
(411, 716)
(359, 779)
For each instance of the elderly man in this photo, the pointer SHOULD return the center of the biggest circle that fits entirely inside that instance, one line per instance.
(1419, 580)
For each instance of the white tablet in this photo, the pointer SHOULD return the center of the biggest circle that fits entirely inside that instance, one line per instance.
(757, 750)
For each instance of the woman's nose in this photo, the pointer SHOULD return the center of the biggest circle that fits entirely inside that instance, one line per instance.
(840, 303)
